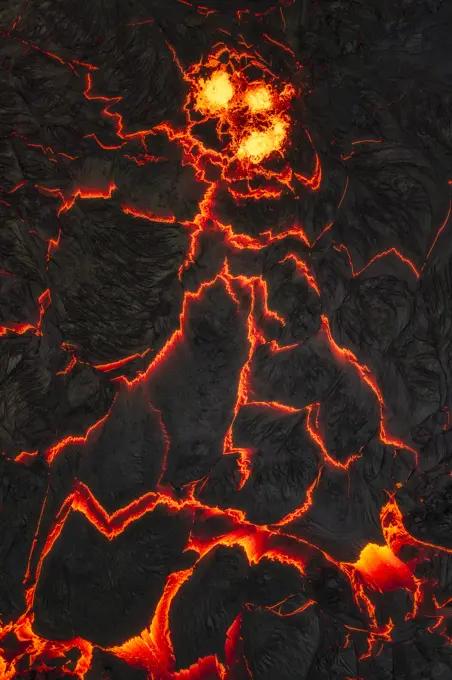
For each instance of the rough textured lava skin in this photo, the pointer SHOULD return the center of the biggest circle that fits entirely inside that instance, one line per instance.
(226, 341)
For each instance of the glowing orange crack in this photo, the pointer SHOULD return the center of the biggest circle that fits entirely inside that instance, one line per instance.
(66, 204)
(44, 302)
(367, 377)
(390, 251)
(306, 506)
(303, 270)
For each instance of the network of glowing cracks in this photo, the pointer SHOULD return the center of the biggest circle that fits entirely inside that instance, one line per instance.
(253, 115)
(252, 120)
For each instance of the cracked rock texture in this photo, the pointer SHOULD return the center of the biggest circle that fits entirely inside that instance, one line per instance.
(224, 419)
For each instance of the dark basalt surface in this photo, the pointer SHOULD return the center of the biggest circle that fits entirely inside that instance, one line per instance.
(140, 365)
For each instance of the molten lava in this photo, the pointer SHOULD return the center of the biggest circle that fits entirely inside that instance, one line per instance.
(252, 116)
(258, 99)
(261, 143)
(382, 570)
(215, 93)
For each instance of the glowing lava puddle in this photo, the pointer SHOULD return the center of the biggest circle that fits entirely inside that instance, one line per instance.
(382, 570)
(252, 116)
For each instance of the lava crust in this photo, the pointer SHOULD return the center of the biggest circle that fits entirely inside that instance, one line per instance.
(225, 324)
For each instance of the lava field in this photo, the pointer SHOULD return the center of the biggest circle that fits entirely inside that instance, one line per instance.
(225, 340)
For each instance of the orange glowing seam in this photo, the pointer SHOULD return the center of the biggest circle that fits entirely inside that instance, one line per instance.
(276, 608)
(367, 377)
(70, 63)
(168, 219)
(142, 23)
(104, 368)
(302, 270)
(52, 245)
(390, 251)
(279, 44)
(66, 204)
(44, 302)
(313, 430)
(114, 365)
(69, 367)
(55, 450)
(439, 232)
(18, 186)
(303, 509)
(395, 533)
